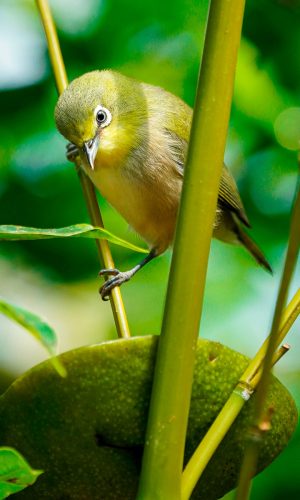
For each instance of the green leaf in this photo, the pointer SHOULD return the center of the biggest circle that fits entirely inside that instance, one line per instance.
(87, 431)
(75, 231)
(15, 473)
(37, 327)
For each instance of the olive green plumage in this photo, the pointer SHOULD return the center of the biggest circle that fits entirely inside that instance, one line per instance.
(132, 138)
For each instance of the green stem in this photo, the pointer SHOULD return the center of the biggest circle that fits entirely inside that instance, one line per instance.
(290, 315)
(211, 440)
(252, 451)
(248, 381)
(104, 253)
(89, 194)
(169, 408)
(277, 356)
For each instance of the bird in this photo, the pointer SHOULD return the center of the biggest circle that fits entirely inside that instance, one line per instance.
(132, 139)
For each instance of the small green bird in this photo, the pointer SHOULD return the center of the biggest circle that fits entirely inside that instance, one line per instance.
(132, 139)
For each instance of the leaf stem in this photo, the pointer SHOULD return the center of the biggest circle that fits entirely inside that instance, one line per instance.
(104, 253)
(169, 407)
(251, 455)
(242, 392)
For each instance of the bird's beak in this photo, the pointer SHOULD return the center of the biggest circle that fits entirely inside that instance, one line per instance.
(91, 148)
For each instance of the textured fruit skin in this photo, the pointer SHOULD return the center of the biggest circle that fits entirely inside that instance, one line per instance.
(87, 431)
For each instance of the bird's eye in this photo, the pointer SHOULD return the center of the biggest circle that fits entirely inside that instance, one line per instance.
(103, 116)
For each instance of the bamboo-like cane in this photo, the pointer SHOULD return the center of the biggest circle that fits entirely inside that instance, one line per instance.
(251, 455)
(169, 408)
(89, 194)
(242, 392)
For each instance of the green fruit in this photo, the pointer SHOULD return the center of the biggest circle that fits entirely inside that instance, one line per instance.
(87, 431)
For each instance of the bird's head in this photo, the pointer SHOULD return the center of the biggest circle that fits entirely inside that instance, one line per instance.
(102, 112)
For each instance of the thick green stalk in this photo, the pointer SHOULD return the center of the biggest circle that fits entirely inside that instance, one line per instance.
(169, 408)
(104, 253)
(247, 383)
(256, 437)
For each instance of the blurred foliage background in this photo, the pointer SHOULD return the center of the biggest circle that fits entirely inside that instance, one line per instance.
(158, 42)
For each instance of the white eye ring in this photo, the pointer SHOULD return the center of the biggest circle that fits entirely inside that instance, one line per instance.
(103, 116)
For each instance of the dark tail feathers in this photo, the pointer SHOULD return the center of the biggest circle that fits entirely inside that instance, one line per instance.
(252, 247)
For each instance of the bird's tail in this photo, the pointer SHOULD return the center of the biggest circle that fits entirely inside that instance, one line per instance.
(253, 248)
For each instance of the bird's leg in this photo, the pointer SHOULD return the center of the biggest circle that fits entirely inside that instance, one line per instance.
(119, 277)
(72, 152)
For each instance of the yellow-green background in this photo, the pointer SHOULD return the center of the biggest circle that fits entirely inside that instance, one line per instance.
(159, 42)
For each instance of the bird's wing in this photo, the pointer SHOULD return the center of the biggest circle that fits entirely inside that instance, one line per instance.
(229, 196)
(228, 193)
(178, 131)
(178, 149)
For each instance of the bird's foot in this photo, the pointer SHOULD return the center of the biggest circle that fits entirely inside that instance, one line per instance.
(118, 277)
(72, 152)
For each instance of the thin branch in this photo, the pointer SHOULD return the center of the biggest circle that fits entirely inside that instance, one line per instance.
(104, 253)
(251, 455)
(242, 392)
(290, 315)
(280, 353)
(277, 357)
(169, 408)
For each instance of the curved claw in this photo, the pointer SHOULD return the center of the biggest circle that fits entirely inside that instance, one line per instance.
(117, 280)
(72, 151)
(119, 277)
